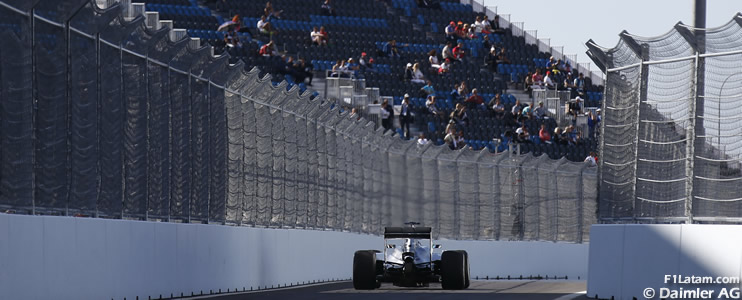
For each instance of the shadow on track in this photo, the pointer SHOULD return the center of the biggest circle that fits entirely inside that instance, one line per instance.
(479, 289)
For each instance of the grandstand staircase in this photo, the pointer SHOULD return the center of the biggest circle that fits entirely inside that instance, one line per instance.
(518, 92)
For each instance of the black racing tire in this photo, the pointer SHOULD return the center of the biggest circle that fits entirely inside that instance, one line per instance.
(453, 271)
(364, 270)
(466, 268)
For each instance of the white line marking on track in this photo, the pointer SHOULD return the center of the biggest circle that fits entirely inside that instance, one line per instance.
(572, 296)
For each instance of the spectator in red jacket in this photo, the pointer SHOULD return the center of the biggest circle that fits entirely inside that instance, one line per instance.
(475, 99)
(544, 135)
(458, 52)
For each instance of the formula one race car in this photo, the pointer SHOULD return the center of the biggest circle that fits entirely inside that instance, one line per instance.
(410, 260)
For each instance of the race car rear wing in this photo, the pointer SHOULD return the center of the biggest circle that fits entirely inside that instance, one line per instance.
(408, 232)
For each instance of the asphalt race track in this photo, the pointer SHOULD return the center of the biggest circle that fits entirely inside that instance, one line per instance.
(479, 289)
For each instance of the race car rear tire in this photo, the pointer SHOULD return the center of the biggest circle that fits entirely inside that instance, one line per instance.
(466, 268)
(364, 270)
(453, 270)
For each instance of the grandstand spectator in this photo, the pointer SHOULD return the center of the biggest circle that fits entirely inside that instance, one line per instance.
(271, 11)
(447, 51)
(459, 52)
(575, 108)
(578, 138)
(417, 74)
(527, 112)
(487, 25)
(366, 62)
(548, 81)
(567, 84)
(541, 111)
(337, 68)
(353, 68)
(522, 135)
(567, 67)
(579, 84)
(470, 32)
(391, 49)
(497, 106)
(408, 72)
(550, 63)
(386, 117)
(454, 94)
(427, 89)
(478, 26)
(537, 78)
(571, 133)
(270, 14)
(559, 66)
(593, 121)
(268, 50)
(445, 67)
(305, 71)
(288, 67)
(405, 116)
(544, 135)
(463, 90)
(317, 37)
(451, 126)
(430, 105)
(475, 99)
(421, 140)
(490, 60)
(592, 159)
(516, 110)
(474, 34)
(502, 57)
(433, 60)
(354, 114)
(558, 137)
(370, 64)
(327, 9)
(460, 142)
(460, 116)
(451, 32)
(324, 34)
(265, 27)
(495, 25)
(232, 39)
(486, 42)
(451, 139)
(460, 33)
(528, 83)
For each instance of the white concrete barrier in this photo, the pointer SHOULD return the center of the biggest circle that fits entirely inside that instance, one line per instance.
(44, 257)
(633, 261)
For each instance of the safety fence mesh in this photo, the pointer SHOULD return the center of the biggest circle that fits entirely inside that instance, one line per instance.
(102, 116)
(671, 143)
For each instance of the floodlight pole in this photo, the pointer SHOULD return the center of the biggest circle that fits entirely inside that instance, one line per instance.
(699, 143)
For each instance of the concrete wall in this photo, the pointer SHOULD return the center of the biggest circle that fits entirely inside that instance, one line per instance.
(81, 258)
(625, 260)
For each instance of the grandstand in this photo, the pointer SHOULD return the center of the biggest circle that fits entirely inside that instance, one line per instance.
(364, 26)
(133, 119)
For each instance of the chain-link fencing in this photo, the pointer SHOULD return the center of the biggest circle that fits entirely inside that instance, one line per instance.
(671, 140)
(104, 116)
